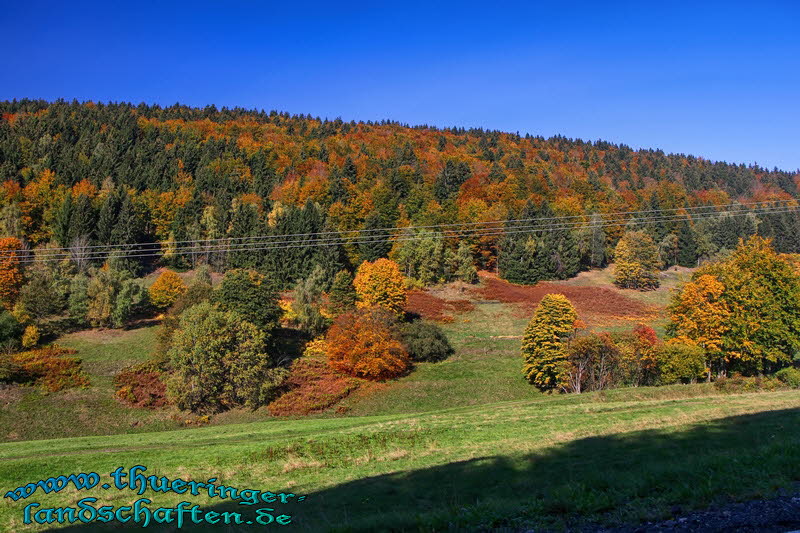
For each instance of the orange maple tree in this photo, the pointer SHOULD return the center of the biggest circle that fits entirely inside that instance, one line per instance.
(363, 343)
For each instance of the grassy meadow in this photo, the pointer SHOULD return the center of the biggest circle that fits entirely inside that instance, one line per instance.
(461, 445)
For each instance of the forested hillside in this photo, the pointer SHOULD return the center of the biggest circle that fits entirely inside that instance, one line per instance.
(84, 175)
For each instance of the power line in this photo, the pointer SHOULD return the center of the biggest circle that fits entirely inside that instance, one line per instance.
(479, 232)
(689, 210)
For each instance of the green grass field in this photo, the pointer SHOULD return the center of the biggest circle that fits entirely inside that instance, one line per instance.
(551, 461)
(464, 444)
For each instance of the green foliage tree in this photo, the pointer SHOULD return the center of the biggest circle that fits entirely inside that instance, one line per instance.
(761, 291)
(250, 294)
(308, 302)
(219, 361)
(342, 296)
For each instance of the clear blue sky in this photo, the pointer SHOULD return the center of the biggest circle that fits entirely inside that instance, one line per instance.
(718, 80)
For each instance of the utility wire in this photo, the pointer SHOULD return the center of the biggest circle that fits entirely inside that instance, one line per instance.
(688, 210)
(479, 232)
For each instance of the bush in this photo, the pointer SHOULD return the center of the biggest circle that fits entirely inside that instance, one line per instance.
(10, 329)
(166, 290)
(738, 383)
(198, 292)
(142, 385)
(50, 368)
(365, 343)
(681, 363)
(30, 337)
(10, 370)
(789, 376)
(593, 362)
(425, 342)
(219, 361)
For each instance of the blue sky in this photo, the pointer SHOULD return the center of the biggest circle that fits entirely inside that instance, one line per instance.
(718, 80)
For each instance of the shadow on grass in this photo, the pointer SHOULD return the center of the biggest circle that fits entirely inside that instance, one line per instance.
(617, 479)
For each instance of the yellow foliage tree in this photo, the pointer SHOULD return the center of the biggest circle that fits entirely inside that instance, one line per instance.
(167, 289)
(699, 315)
(380, 284)
(636, 262)
(543, 345)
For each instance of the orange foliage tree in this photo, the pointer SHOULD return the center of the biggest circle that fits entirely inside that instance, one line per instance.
(10, 270)
(166, 289)
(381, 284)
(364, 343)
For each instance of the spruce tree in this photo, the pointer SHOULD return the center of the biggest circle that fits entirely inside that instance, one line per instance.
(82, 221)
(687, 244)
(342, 296)
(63, 222)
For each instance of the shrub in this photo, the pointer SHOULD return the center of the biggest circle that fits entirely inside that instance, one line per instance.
(10, 370)
(789, 376)
(681, 363)
(251, 295)
(364, 343)
(380, 284)
(10, 329)
(543, 343)
(30, 337)
(738, 383)
(197, 292)
(142, 385)
(638, 356)
(166, 290)
(312, 385)
(219, 361)
(425, 341)
(593, 362)
(51, 368)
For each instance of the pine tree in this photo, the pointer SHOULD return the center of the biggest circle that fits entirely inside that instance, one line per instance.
(245, 223)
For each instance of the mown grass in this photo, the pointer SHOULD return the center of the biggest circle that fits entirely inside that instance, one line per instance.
(559, 461)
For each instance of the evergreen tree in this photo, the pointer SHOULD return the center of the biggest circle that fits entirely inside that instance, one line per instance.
(245, 223)
(82, 220)
(107, 221)
(687, 244)
(342, 296)
(63, 222)
(374, 242)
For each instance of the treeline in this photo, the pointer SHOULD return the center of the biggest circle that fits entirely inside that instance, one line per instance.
(738, 316)
(81, 175)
